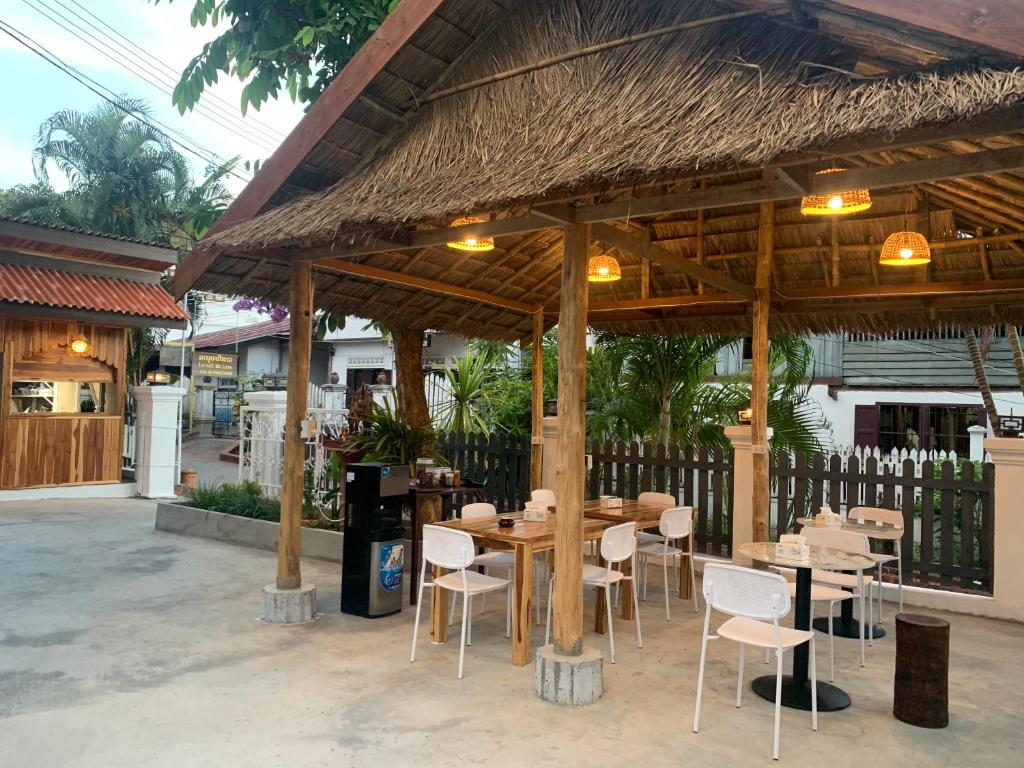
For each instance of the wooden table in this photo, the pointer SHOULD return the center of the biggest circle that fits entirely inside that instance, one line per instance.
(645, 516)
(525, 539)
(796, 688)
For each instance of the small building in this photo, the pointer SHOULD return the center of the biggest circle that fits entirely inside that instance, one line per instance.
(68, 300)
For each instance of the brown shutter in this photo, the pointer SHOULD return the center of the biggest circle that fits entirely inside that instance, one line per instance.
(865, 426)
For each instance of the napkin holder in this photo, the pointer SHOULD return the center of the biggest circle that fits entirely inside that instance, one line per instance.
(793, 547)
(535, 512)
(610, 502)
(828, 519)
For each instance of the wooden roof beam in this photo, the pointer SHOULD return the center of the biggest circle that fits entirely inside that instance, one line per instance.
(921, 171)
(624, 241)
(424, 284)
(996, 23)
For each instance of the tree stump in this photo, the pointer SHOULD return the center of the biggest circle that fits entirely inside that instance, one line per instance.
(921, 689)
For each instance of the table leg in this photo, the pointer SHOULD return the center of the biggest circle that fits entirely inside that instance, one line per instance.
(438, 610)
(600, 614)
(685, 591)
(845, 625)
(796, 689)
(626, 590)
(522, 615)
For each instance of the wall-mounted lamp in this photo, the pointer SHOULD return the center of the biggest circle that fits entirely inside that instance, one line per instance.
(79, 347)
(158, 377)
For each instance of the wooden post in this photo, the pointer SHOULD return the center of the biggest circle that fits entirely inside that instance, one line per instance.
(300, 344)
(760, 373)
(700, 238)
(572, 355)
(537, 423)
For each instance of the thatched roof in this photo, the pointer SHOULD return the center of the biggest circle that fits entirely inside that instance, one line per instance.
(650, 117)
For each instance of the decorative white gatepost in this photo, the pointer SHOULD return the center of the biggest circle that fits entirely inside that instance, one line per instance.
(157, 431)
(382, 393)
(977, 437)
(1007, 560)
(743, 483)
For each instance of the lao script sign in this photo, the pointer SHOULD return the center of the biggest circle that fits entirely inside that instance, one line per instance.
(215, 364)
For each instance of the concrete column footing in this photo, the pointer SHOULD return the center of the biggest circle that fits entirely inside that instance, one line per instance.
(289, 606)
(572, 681)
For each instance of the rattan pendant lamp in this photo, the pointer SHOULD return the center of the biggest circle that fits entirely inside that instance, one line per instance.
(603, 269)
(470, 242)
(835, 203)
(906, 248)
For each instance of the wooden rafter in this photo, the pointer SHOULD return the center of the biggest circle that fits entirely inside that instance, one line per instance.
(425, 284)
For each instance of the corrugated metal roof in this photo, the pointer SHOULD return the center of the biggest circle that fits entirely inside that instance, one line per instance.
(72, 290)
(81, 231)
(241, 334)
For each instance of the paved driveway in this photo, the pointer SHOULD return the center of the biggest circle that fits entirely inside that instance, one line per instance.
(121, 646)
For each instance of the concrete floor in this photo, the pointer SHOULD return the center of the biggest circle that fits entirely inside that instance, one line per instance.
(120, 646)
(203, 454)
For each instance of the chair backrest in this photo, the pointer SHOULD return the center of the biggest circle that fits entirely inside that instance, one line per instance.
(745, 592)
(447, 547)
(676, 523)
(543, 496)
(618, 542)
(837, 538)
(877, 515)
(478, 510)
(655, 499)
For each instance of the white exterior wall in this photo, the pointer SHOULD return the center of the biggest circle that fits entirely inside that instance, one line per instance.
(838, 412)
(263, 357)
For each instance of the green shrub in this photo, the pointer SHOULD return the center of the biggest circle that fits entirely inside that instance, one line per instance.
(243, 500)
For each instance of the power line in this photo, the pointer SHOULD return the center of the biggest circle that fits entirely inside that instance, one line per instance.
(275, 132)
(112, 98)
(107, 52)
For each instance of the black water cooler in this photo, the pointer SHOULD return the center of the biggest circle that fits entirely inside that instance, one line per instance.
(373, 552)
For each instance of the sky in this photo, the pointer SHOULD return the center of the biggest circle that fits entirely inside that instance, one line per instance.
(32, 89)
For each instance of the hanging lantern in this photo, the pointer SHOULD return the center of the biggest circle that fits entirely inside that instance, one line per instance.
(79, 347)
(603, 269)
(835, 203)
(471, 243)
(905, 249)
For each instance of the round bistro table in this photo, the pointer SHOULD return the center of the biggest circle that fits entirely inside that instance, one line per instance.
(796, 688)
(844, 625)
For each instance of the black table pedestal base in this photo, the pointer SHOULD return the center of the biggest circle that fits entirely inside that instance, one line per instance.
(798, 695)
(844, 627)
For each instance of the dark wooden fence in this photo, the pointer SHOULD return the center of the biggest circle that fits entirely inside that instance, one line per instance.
(948, 512)
(695, 477)
(500, 462)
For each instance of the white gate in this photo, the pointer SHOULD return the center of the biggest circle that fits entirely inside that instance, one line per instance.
(261, 450)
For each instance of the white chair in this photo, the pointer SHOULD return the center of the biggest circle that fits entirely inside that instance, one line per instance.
(654, 499)
(491, 559)
(676, 525)
(858, 583)
(819, 594)
(618, 544)
(548, 499)
(543, 496)
(454, 550)
(753, 599)
(892, 517)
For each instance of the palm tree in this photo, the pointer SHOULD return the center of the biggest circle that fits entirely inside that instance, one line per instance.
(978, 356)
(125, 177)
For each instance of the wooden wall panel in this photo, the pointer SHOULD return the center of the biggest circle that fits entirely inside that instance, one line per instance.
(50, 450)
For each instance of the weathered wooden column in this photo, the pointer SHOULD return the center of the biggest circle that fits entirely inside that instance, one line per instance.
(289, 601)
(537, 421)
(760, 372)
(565, 673)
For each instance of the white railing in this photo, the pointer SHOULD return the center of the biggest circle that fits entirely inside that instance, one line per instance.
(261, 449)
(128, 447)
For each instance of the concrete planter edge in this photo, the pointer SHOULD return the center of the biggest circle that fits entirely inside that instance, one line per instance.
(259, 534)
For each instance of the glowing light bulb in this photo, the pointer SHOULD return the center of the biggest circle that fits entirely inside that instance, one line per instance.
(835, 202)
(906, 253)
(602, 271)
(471, 242)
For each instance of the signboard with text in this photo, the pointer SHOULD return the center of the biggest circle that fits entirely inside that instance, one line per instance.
(215, 364)
(170, 356)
